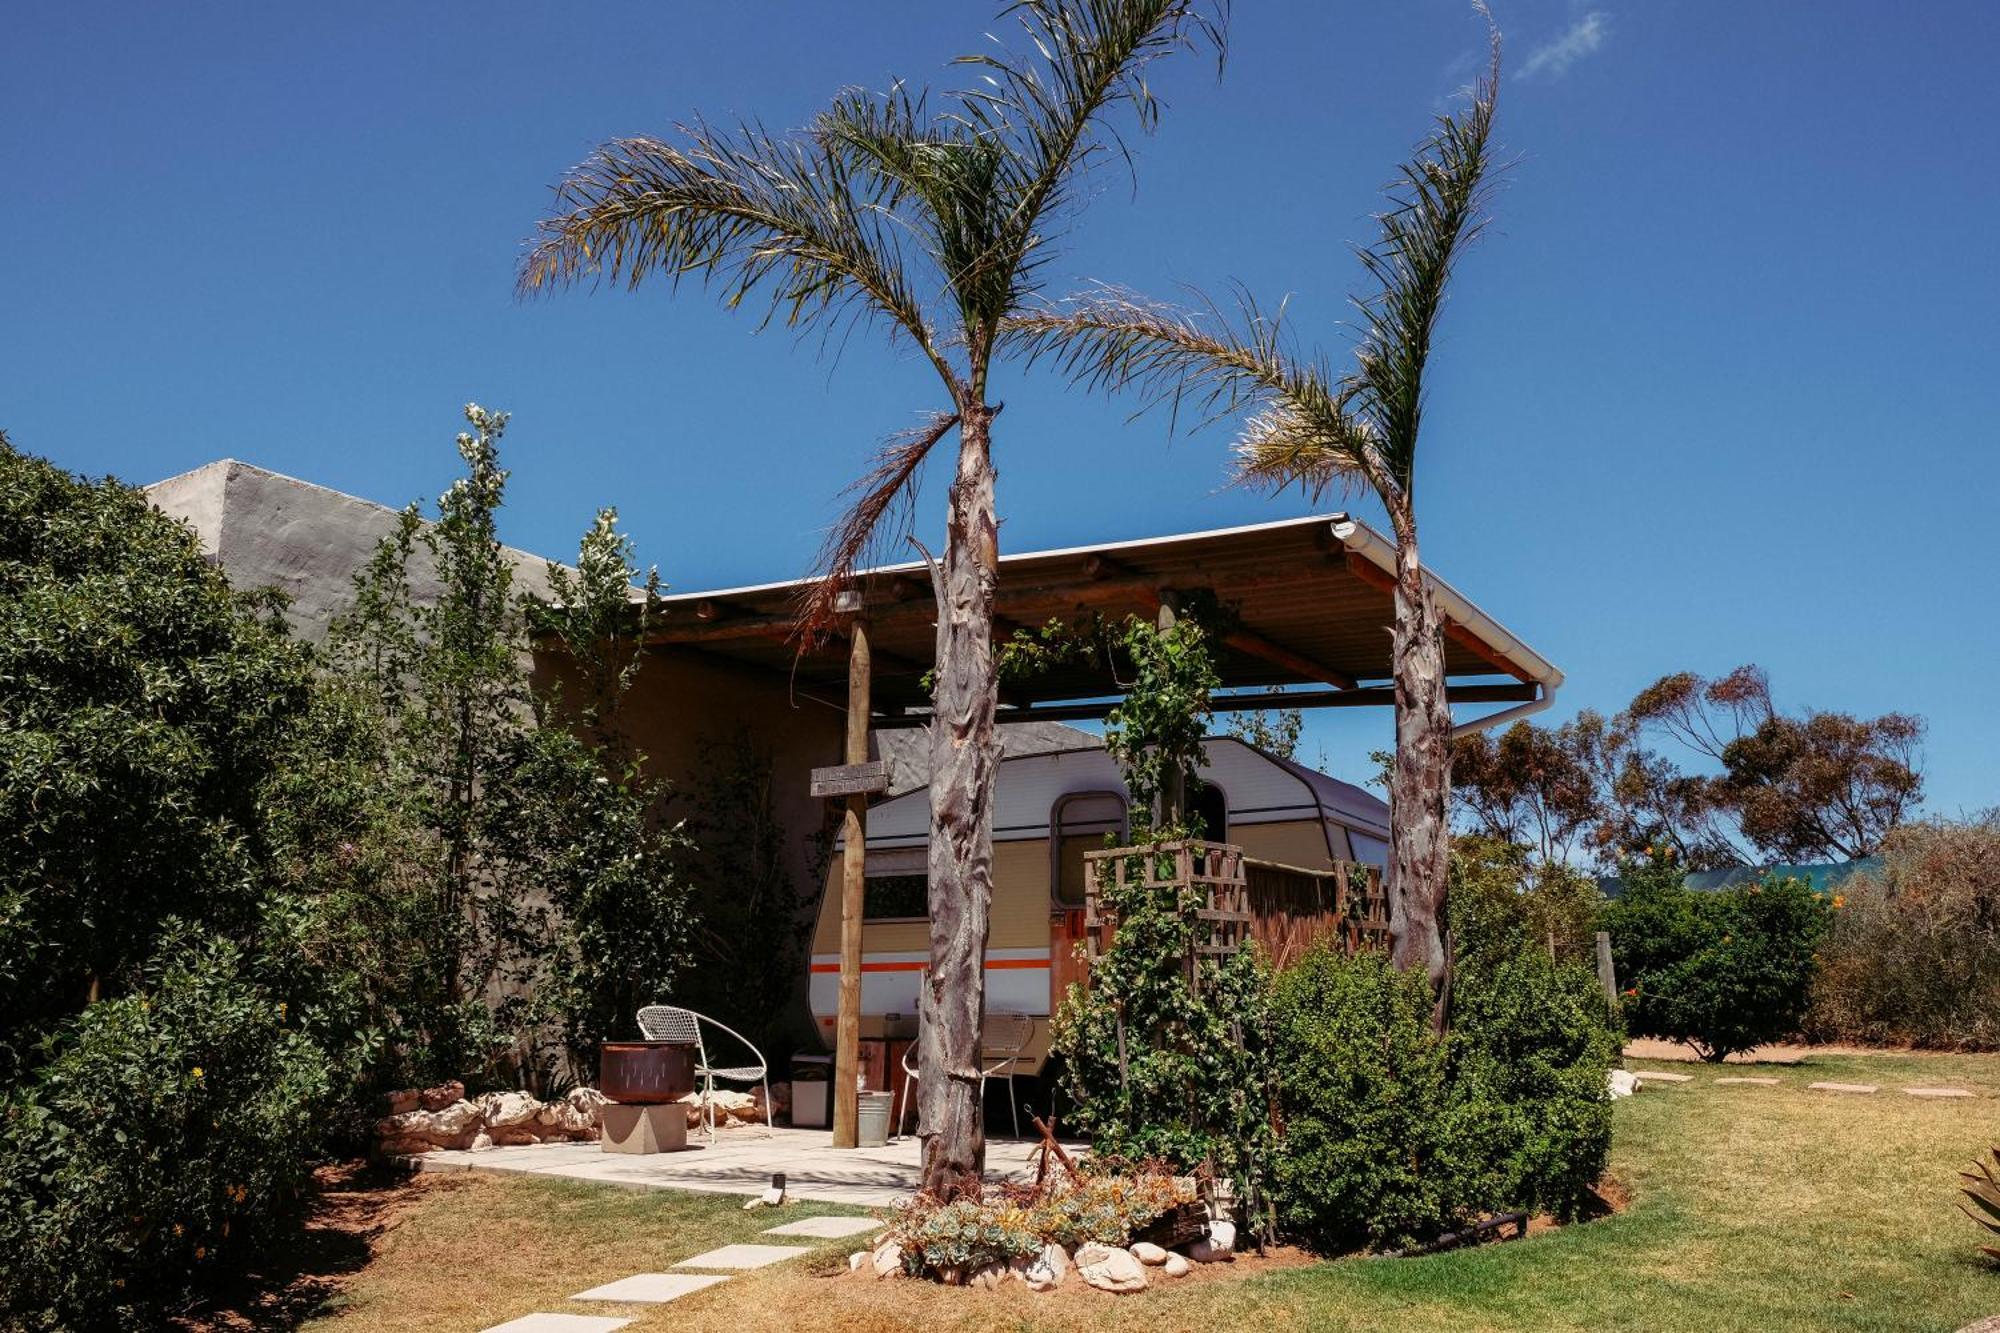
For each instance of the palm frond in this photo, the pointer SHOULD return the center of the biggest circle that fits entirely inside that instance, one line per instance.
(1046, 103)
(1299, 431)
(881, 510)
(1438, 203)
(744, 210)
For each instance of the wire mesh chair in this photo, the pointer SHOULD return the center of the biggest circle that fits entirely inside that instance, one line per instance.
(1002, 1038)
(666, 1022)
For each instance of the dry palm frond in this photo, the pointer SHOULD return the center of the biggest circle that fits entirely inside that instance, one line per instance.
(881, 511)
(1300, 431)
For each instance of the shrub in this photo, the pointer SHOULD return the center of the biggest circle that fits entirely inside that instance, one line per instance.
(1393, 1135)
(169, 1136)
(1105, 1206)
(1501, 903)
(1914, 954)
(1722, 971)
(1377, 1148)
(1537, 1040)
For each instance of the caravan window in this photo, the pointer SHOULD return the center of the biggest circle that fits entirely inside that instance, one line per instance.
(1210, 809)
(1078, 825)
(895, 897)
(896, 886)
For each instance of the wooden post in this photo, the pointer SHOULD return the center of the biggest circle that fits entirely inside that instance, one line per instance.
(1605, 974)
(853, 896)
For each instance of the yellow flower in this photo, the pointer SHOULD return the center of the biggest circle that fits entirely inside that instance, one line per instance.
(177, 1228)
(197, 1071)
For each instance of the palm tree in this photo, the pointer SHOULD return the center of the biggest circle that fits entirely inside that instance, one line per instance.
(934, 227)
(1303, 427)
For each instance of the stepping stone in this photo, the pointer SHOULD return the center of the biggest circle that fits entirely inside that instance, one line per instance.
(1841, 1087)
(826, 1228)
(1658, 1076)
(1760, 1082)
(559, 1323)
(1937, 1092)
(745, 1256)
(652, 1288)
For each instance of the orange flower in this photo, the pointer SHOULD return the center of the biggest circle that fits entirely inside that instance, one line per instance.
(1839, 901)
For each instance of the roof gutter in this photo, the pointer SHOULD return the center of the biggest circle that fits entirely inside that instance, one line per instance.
(1361, 541)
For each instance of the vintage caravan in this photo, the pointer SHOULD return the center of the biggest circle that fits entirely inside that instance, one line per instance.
(1049, 809)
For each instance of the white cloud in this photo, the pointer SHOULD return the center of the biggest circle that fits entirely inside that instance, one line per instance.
(1553, 59)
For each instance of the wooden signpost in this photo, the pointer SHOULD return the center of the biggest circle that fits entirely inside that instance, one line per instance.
(855, 781)
(869, 778)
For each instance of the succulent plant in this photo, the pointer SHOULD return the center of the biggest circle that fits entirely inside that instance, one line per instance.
(1982, 1186)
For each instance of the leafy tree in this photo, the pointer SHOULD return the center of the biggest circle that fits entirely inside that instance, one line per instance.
(1307, 428)
(934, 224)
(543, 874)
(1814, 786)
(1531, 786)
(1274, 731)
(144, 710)
(1722, 971)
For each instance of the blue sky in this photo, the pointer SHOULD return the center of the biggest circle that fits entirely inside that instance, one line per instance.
(1718, 387)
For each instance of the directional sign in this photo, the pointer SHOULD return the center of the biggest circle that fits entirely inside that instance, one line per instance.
(851, 779)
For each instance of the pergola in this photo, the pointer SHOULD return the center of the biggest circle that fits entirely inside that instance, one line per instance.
(1310, 608)
(1310, 600)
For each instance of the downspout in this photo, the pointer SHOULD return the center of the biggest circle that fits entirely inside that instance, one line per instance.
(1358, 539)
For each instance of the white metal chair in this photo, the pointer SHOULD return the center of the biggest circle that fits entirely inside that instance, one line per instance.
(666, 1022)
(1002, 1038)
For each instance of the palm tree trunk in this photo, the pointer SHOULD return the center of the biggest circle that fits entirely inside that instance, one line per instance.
(1421, 852)
(952, 1005)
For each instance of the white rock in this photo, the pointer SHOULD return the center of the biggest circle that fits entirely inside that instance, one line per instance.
(1218, 1247)
(1046, 1271)
(461, 1117)
(508, 1110)
(988, 1278)
(1148, 1253)
(1109, 1268)
(481, 1141)
(855, 1260)
(1623, 1083)
(1177, 1265)
(888, 1259)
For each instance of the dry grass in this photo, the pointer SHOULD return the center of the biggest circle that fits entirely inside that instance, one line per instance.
(1752, 1208)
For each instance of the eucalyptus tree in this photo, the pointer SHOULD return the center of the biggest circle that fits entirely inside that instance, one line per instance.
(1303, 426)
(932, 220)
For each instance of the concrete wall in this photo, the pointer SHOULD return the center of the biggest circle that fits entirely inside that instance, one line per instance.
(268, 530)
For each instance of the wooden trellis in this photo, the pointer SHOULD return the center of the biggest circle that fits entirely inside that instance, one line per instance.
(1285, 908)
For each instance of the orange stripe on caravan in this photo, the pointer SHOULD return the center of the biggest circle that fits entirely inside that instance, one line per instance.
(992, 964)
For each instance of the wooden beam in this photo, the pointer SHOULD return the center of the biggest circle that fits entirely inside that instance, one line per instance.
(1367, 571)
(1368, 696)
(1255, 644)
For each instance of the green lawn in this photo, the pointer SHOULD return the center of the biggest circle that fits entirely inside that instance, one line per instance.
(1753, 1208)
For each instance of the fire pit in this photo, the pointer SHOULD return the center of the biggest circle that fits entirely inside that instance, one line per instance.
(645, 1081)
(645, 1073)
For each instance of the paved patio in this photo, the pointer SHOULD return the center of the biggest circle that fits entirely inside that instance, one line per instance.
(741, 1162)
